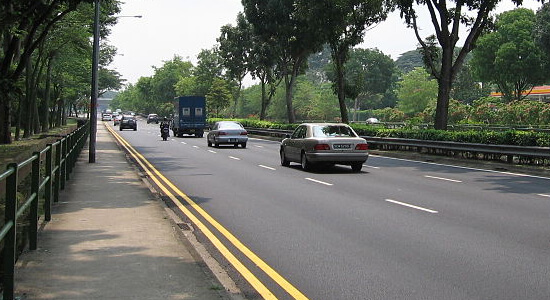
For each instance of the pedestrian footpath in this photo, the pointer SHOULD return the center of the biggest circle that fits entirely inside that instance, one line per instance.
(110, 238)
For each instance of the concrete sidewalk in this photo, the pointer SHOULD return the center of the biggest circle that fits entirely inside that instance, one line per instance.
(110, 238)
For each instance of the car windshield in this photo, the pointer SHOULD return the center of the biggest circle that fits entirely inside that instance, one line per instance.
(332, 131)
(230, 125)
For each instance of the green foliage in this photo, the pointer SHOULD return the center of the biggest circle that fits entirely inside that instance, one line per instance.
(510, 137)
(409, 60)
(369, 75)
(416, 91)
(466, 89)
(208, 68)
(542, 30)
(164, 80)
(509, 57)
(218, 97)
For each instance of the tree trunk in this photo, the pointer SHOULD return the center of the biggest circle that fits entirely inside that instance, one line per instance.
(339, 65)
(445, 81)
(5, 122)
(46, 101)
(264, 101)
(289, 94)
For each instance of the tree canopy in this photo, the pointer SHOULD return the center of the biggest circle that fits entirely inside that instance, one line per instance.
(509, 56)
(447, 18)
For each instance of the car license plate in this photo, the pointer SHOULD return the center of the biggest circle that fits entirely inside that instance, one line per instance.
(342, 146)
(232, 140)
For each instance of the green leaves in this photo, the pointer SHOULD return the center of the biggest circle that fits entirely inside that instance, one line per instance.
(509, 56)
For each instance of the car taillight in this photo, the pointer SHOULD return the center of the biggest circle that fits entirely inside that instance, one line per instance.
(322, 147)
(244, 133)
(222, 133)
(362, 147)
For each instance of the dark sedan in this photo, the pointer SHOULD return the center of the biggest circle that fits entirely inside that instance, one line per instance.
(128, 122)
(316, 144)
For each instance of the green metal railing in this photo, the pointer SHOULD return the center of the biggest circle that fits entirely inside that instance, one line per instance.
(57, 160)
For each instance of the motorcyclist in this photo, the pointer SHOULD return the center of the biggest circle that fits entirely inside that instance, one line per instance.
(164, 124)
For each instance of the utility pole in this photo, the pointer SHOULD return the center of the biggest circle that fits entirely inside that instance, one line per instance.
(93, 102)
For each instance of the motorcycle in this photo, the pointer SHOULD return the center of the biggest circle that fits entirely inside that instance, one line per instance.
(164, 132)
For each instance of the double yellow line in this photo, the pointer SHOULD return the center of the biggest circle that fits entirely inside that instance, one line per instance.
(164, 184)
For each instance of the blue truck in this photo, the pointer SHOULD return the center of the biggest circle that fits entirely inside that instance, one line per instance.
(190, 116)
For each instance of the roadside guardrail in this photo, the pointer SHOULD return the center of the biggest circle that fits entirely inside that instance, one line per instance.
(507, 153)
(57, 160)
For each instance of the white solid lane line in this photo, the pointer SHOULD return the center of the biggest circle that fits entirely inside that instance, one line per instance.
(466, 168)
(412, 206)
(266, 167)
(371, 167)
(318, 181)
(441, 178)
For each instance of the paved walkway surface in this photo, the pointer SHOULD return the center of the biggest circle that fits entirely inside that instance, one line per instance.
(110, 238)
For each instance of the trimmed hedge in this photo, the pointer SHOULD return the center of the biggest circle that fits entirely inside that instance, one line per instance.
(510, 137)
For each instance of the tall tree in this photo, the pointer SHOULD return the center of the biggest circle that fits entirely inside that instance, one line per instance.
(343, 23)
(165, 78)
(509, 56)
(208, 68)
(291, 27)
(234, 49)
(218, 97)
(24, 27)
(542, 32)
(447, 20)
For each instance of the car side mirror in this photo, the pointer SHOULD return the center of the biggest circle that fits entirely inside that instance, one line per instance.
(287, 136)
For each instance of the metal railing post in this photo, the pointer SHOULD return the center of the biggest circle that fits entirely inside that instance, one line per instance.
(48, 188)
(57, 181)
(9, 240)
(69, 157)
(63, 165)
(33, 214)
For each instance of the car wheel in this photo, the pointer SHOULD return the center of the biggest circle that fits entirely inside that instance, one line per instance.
(120, 128)
(209, 144)
(243, 145)
(284, 161)
(357, 167)
(135, 128)
(306, 165)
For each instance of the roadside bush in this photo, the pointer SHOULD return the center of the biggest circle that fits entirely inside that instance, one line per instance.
(509, 137)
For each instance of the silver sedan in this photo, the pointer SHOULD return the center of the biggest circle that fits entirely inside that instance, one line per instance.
(314, 144)
(227, 132)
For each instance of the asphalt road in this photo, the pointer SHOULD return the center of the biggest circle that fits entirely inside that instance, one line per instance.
(397, 230)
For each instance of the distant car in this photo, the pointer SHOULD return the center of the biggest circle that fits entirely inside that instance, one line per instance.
(116, 120)
(227, 132)
(106, 117)
(128, 122)
(372, 121)
(152, 118)
(316, 144)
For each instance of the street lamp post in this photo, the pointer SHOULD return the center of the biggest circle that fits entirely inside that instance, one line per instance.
(93, 102)
(94, 93)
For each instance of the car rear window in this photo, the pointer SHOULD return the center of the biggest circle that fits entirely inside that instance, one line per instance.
(230, 126)
(332, 131)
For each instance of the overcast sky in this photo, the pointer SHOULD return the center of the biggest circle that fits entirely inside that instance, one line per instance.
(185, 27)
